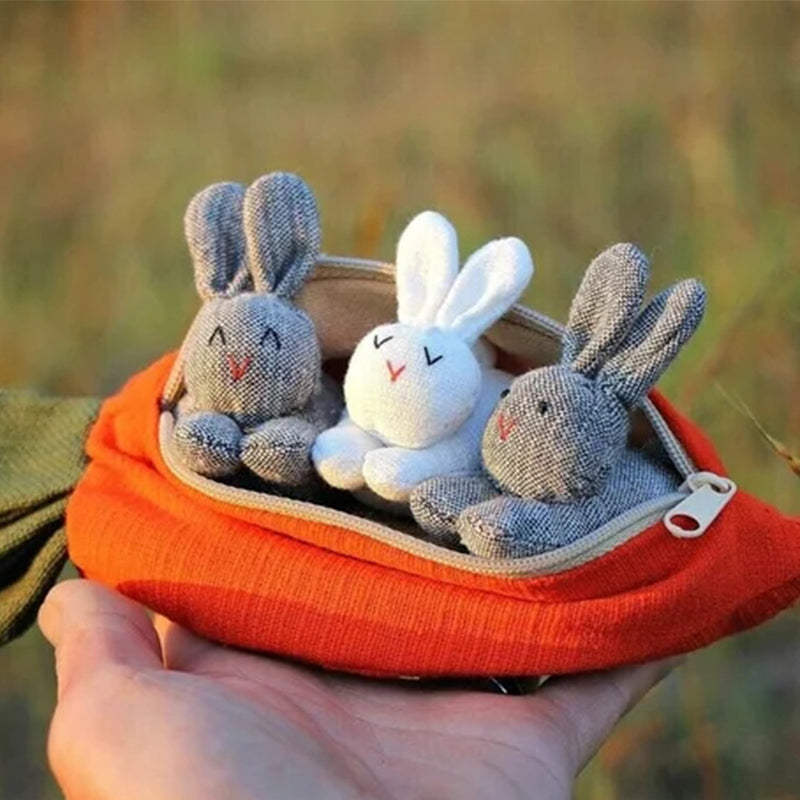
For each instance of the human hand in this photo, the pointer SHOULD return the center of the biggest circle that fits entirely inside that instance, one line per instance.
(158, 713)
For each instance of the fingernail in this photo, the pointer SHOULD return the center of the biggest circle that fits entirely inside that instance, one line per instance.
(50, 617)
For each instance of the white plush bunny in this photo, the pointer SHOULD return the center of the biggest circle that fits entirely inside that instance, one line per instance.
(418, 392)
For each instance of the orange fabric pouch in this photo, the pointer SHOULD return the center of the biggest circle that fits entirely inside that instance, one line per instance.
(350, 589)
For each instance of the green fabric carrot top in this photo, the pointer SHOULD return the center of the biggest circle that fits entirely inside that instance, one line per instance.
(41, 458)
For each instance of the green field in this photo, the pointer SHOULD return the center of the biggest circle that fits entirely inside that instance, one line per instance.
(570, 125)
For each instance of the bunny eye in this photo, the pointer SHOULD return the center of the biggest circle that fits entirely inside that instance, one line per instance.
(217, 334)
(381, 342)
(271, 332)
(431, 361)
(543, 407)
(505, 393)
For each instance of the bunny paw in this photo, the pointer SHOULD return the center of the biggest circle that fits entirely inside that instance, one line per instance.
(208, 443)
(437, 503)
(507, 527)
(338, 455)
(279, 451)
(393, 472)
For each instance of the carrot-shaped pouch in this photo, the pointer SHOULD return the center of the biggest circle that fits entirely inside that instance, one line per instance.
(326, 579)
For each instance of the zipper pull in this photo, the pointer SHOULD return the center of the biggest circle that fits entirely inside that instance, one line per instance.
(692, 517)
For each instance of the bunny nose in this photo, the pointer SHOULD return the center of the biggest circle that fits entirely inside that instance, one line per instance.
(505, 425)
(394, 374)
(238, 369)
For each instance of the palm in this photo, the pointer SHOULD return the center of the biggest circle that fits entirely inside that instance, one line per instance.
(221, 723)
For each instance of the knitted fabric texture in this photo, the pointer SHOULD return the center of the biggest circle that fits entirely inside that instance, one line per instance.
(512, 527)
(41, 458)
(557, 440)
(309, 587)
(437, 503)
(251, 359)
(417, 397)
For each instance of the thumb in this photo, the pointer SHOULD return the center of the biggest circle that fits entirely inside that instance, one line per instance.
(586, 708)
(92, 629)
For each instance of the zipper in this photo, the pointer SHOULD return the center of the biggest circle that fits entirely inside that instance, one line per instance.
(687, 513)
(330, 267)
(672, 445)
(709, 494)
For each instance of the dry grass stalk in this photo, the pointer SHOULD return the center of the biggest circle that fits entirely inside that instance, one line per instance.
(792, 460)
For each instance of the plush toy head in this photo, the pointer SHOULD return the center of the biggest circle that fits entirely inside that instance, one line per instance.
(415, 382)
(560, 429)
(250, 353)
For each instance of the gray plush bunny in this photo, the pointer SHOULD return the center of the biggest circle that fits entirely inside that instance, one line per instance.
(255, 395)
(555, 450)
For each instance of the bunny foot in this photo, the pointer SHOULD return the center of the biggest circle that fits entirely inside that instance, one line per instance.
(279, 451)
(208, 443)
(508, 527)
(338, 454)
(437, 503)
(394, 472)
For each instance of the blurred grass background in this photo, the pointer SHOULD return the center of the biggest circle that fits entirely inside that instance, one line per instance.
(571, 125)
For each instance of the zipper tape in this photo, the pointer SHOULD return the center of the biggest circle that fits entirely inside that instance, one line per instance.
(606, 538)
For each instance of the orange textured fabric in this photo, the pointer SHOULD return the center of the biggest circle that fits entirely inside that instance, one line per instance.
(340, 599)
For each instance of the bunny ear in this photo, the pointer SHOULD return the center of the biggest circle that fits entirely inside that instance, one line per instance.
(281, 225)
(654, 341)
(213, 228)
(491, 281)
(607, 302)
(427, 265)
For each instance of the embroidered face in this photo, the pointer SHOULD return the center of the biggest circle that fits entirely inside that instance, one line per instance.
(553, 436)
(411, 387)
(253, 356)
(561, 430)
(250, 353)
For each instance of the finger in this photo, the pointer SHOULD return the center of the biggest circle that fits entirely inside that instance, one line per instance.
(185, 651)
(586, 707)
(182, 650)
(92, 629)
